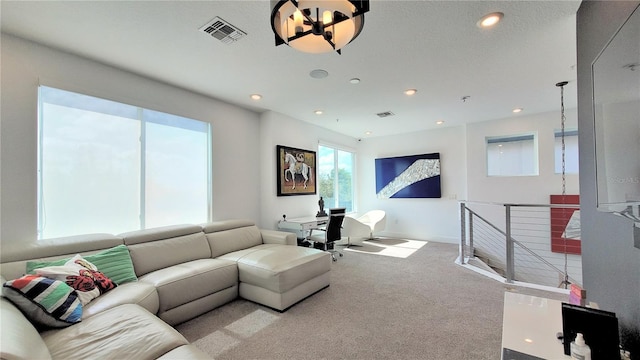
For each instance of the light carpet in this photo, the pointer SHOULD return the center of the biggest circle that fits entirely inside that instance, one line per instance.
(378, 307)
(400, 248)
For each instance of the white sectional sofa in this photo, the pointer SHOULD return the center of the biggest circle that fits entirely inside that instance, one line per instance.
(180, 272)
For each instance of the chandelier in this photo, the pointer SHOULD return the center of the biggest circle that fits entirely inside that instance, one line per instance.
(317, 26)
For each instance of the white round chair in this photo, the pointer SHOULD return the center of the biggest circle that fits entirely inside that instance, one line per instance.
(357, 230)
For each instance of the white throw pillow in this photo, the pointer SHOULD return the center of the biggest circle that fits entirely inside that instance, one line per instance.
(81, 275)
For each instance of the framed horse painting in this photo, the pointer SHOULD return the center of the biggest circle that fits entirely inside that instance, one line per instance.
(296, 171)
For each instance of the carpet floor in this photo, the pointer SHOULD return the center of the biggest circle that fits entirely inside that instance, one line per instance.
(416, 305)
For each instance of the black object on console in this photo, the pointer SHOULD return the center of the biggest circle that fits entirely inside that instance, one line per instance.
(599, 328)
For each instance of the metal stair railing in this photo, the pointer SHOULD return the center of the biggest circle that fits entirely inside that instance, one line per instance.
(521, 252)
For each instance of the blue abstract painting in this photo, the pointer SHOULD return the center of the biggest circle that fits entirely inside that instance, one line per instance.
(413, 176)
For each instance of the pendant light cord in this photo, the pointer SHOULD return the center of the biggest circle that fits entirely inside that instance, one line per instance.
(562, 121)
(565, 282)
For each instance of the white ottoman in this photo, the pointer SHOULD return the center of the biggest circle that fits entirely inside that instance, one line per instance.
(278, 276)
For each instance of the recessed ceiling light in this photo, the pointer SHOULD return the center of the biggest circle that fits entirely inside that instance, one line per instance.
(354, 81)
(318, 74)
(368, 133)
(517, 110)
(385, 114)
(318, 112)
(256, 96)
(490, 20)
(439, 122)
(410, 92)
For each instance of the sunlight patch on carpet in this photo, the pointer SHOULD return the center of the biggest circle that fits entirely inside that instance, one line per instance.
(400, 248)
(216, 343)
(252, 323)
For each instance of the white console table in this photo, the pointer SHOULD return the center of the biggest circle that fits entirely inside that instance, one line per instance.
(530, 325)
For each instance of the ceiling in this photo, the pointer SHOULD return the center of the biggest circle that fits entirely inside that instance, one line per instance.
(432, 46)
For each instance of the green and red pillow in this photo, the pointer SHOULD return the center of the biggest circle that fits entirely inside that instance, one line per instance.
(114, 262)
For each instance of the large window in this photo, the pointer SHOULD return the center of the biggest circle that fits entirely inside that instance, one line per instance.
(570, 149)
(109, 167)
(336, 175)
(512, 155)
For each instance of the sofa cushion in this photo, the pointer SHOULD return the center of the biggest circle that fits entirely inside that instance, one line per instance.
(20, 339)
(114, 262)
(159, 248)
(223, 225)
(159, 233)
(124, 332)
(44, 301)
(237, 255)
(140, 293)
(182, 283)
(223, 242)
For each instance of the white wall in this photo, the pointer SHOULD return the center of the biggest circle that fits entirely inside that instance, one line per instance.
(518, 189)
(423, 219)
(463, 160)
(25, 65)
(279, 129)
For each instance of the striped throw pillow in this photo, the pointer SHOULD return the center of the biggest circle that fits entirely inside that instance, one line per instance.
(45, 302)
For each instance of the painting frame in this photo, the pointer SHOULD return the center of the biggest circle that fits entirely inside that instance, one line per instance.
(291, 166)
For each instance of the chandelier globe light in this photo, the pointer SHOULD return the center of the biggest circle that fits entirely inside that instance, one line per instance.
(317, 26)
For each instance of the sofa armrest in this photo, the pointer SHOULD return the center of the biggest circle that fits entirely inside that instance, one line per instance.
(20, 339)
(278, 237)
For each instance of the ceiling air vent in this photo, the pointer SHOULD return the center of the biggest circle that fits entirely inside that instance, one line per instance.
(222, 31)
(385, 114)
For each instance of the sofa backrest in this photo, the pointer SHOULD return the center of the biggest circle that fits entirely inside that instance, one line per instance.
(14, 258)
(231, 235)
(158, 248)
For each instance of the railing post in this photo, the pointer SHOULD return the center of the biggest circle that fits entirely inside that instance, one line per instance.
(471, 248)
(463, 232)
(509, 245)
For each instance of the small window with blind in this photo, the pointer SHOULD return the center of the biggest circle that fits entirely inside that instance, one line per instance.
(514, 155)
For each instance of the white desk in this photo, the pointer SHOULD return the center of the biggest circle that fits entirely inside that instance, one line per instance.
(303, 224)
(530, 325)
